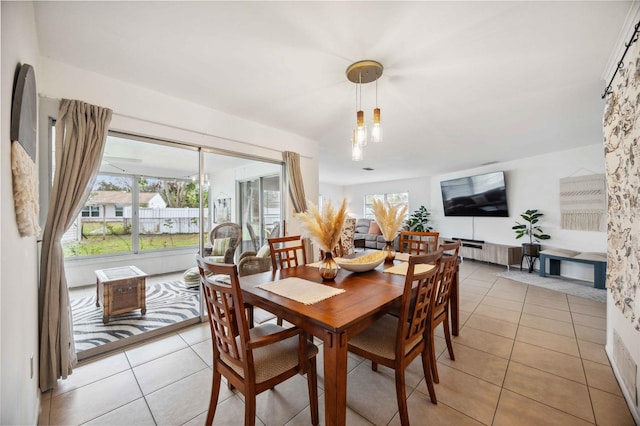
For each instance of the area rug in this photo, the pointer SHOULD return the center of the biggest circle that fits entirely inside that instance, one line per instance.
(577, 288)
(167, 303)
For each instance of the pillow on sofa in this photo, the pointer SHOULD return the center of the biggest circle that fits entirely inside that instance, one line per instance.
(374, 229)
(264, 251)
(220, 246)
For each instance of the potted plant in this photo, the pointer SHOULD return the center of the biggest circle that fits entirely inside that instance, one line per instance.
(418, 220)
(532, 230)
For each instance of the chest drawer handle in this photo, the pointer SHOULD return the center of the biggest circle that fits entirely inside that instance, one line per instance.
(122, 290)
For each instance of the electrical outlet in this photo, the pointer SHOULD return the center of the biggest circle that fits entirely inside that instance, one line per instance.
(31, 367)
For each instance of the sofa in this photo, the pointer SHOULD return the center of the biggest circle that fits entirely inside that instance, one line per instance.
(374, 240)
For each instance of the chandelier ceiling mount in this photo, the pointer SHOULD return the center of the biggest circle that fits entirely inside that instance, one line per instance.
(363, 72)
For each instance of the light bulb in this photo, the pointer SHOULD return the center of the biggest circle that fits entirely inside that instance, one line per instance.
(376, 128)
(356, 149)
(361, 130)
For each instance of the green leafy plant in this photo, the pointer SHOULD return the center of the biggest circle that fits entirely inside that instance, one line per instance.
(530, 229)
(418, 220)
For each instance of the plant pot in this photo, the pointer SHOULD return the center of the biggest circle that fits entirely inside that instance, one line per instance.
(529, 249)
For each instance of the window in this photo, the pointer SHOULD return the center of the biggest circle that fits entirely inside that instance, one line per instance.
(119, 211)
(91, 211)
(368, 204)
(394, 198)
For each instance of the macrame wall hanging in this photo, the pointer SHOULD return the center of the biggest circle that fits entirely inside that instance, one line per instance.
(23, 152)
(583, 202)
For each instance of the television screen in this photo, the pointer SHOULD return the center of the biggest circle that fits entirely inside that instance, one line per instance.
(479, 195)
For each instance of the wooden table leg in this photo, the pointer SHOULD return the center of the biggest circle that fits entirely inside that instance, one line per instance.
(335, 379)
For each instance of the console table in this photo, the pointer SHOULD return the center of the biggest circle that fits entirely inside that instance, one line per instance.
(488, 252)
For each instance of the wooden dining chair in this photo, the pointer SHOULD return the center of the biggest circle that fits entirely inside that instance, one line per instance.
(394, 341)
(287, 252)
(252, 360)
(448, 265)
(414, 242)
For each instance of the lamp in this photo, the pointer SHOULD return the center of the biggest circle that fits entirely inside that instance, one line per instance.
(359, 73)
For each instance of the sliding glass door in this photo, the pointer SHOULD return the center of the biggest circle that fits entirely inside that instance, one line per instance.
(144, 214)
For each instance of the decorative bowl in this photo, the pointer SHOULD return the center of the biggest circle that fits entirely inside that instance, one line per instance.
(363, 263)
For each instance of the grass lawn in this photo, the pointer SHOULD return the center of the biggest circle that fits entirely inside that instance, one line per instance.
(109, 244)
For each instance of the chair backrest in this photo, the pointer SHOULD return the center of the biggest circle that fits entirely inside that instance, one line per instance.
(226, 314)
(417, 299)
(230, 230)
(253, 236)
(414, 242)
(284, 252)
(451, 249)
(448, 266)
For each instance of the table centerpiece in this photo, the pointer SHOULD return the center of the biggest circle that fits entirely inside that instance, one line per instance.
(324, 228)
(389, 218)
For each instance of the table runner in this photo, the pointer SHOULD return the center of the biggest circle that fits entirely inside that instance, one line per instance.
(401, 269)
(404, 257)
(300, 290)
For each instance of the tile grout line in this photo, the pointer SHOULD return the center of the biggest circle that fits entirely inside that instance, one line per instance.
(584, 371)
(506, 371)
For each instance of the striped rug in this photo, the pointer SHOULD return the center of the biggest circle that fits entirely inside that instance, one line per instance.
(167, 303)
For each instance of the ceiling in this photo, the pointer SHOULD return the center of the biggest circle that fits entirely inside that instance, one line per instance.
(464, 83)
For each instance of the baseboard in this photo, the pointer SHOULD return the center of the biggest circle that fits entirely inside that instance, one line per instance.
(633, 409)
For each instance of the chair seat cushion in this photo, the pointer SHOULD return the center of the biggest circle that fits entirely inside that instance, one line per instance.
(275, 359)
(191, 277)
(214, 259)
(380, 338)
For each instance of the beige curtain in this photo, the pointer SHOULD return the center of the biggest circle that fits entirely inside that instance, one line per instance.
(81, 132)
(296, 186)
(296, 189)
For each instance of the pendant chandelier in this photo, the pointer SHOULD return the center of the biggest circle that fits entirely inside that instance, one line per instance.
(360, 73)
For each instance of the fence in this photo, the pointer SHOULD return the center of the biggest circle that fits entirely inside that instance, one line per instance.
(152, 221)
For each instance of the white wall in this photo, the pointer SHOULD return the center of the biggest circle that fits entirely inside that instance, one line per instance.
(419, 193)
(333, 193)
(19, 394)
(532, 183)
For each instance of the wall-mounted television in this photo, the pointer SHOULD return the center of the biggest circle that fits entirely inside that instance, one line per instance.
(478, 195)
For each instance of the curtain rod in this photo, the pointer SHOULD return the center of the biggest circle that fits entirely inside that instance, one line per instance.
(633, 39)
(184, 129)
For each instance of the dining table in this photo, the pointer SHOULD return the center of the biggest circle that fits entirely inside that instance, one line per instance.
(366, 297)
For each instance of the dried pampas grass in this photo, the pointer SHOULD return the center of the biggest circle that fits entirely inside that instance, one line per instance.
(389, 218)
(324, 228)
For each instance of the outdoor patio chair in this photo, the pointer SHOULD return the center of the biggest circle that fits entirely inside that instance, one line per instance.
(225, 239)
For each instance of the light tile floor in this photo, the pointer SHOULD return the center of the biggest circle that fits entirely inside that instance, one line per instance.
(525, 356)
